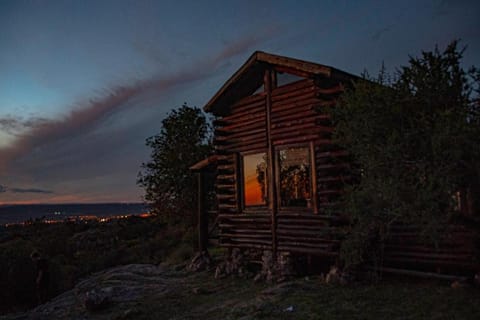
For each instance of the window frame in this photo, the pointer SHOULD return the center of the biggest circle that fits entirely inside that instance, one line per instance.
(312, 175)
(241, 182)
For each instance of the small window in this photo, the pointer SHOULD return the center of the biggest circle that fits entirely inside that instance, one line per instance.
(255, 179)
(287, 78)
(295, 177)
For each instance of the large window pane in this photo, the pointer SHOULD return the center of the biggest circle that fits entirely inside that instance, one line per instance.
(255, 179)
(294, 167)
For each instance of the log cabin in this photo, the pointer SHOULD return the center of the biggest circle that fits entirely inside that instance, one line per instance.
(279, 176)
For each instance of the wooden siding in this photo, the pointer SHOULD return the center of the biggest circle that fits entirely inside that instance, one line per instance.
(455, 252)
(297, 117)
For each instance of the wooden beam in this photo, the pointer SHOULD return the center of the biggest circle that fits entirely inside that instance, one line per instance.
(272, 190)
(313, 178)
(202, 216)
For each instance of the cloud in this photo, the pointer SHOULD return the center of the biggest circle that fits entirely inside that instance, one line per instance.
(14, 125)
(29, 190)
(41, 132)
(4, 189)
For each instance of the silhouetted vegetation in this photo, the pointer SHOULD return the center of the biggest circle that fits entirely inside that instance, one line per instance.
(75, 250)
(415, 140)
(170, 187)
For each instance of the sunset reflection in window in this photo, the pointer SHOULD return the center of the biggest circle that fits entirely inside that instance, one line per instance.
(255, 179)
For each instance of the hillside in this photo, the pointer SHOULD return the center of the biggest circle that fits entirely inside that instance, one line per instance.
(145, 291)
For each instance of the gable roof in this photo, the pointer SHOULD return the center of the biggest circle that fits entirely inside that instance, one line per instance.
(249, 77)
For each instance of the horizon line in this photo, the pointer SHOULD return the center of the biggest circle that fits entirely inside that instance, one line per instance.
(70, 203)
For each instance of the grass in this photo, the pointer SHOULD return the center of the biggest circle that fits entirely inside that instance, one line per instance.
(200, 296)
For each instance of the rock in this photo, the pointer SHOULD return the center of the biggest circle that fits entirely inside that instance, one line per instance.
(220, 271)
(234, 264)
(333, 276)
(97, 299)
(336, 276)
(201, 261)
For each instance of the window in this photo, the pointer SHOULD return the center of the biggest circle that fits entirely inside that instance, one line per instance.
(294, 177)
(255, 179)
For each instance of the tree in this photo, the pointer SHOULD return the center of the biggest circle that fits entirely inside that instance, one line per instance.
(185, 138)
(415, 144)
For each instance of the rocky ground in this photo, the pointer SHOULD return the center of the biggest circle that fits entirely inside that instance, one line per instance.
(141, 291)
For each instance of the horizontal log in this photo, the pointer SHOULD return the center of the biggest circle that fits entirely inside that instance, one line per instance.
(228, 157)
(441, 249)
(301, 92)
(293, 86)
(254, 236)
(295, 132)
(299, 139)
(249, 100)
(307, 241)
(226, 177)
(245, 225)
(227, 210)
(241, 123)
(247, 139)
(312, 251)
(239, 134)
(295, 225)
(263, 231)
(226, 187)
(296, 122)
(426, 255)
(301, 128)
(412, 233)
(306, 232)
(226, 167)
(298, 114)
(244, 148)
(306, 215)
(247, 215)
(337, 89)
(416, 273)
(246, 245)
(226, 196)
(305, 102)
(253, 241)
(241, 218)
(241, 112)
(227, 206)
(260, 224)
(433, 262)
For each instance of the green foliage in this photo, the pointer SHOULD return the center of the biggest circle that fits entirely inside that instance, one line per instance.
(415, 142)
(184, 140)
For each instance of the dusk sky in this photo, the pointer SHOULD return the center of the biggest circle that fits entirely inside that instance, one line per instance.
(84, 83)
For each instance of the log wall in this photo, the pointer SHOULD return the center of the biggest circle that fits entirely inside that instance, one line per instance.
(455, 253)
(297, 117)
